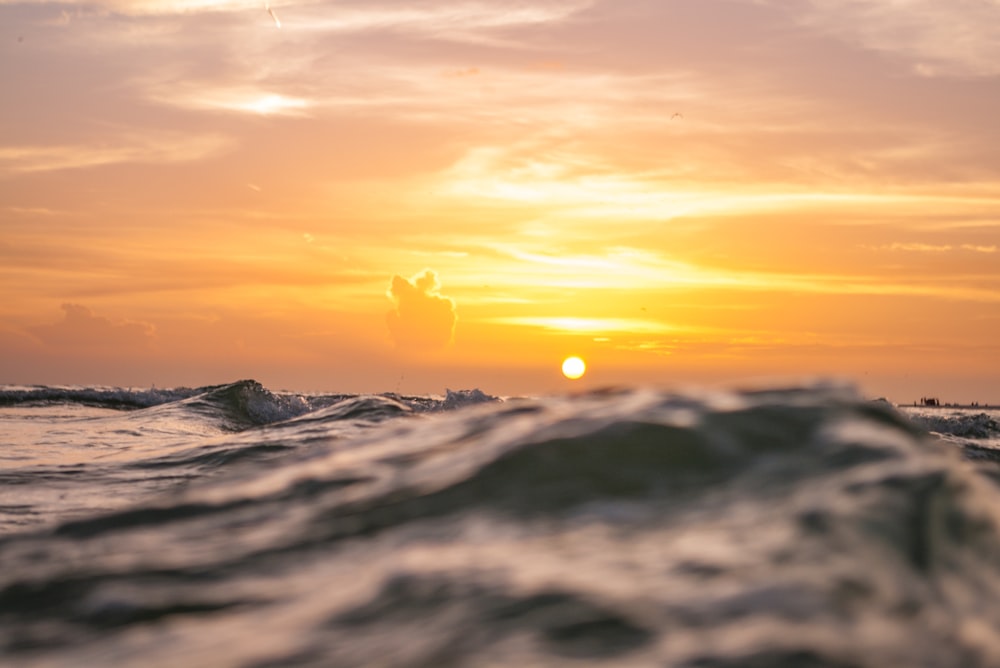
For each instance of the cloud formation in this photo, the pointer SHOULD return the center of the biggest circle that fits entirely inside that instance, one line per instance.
(160, 149)
(931, 248)
(422, 318)
(944, 37)
(80, 328)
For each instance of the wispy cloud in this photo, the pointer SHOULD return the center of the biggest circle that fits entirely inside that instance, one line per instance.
(240, 100)
(590, 326)
(939, 37)
(438, 17)
(933, 248)
(133, 148)
(149, 7)
(456, 20)
(578, 183)
(636, 269)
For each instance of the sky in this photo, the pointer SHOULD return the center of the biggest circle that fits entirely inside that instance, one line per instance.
(389, 196)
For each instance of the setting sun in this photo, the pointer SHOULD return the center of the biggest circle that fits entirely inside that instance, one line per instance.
(573, 367)
(323, 205)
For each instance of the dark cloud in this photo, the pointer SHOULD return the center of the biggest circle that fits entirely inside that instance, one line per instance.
(422, 317)
(80, 328)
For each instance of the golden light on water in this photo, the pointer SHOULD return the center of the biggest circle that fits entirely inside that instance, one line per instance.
(573, 367)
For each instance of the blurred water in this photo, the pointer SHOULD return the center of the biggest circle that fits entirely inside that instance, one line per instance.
(233, 526)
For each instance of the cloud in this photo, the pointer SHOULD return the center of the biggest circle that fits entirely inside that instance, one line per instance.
(918, 248)
(244, 100)
(422, 318)
(942, 37)
(431, 15)
(979, 249)
(449, 20)
(574, 325)
(80, 328)
(930, 248)
(152, 7)
(166, 148)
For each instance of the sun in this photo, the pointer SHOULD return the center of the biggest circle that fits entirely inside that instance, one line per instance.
(573, 367)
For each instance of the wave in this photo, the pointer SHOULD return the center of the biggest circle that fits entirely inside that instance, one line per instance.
(959, 423)
(240, 405)
(244, 404)
(101, 397)
(799, 527)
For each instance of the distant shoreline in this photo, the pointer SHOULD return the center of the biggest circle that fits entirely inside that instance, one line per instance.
(963, 406)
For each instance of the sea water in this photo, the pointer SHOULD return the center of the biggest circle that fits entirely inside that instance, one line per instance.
(237, 526)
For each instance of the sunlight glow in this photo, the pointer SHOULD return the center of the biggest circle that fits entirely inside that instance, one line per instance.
(570, 186)
(573, 367)
(243, 100)
(272, 104)
(588, 325)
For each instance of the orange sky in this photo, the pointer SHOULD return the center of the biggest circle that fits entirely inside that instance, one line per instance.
(378, 195)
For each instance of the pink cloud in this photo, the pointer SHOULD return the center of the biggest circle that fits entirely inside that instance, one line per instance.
(80, 328)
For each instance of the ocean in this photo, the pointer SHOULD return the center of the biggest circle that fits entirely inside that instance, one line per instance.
(235, 525)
